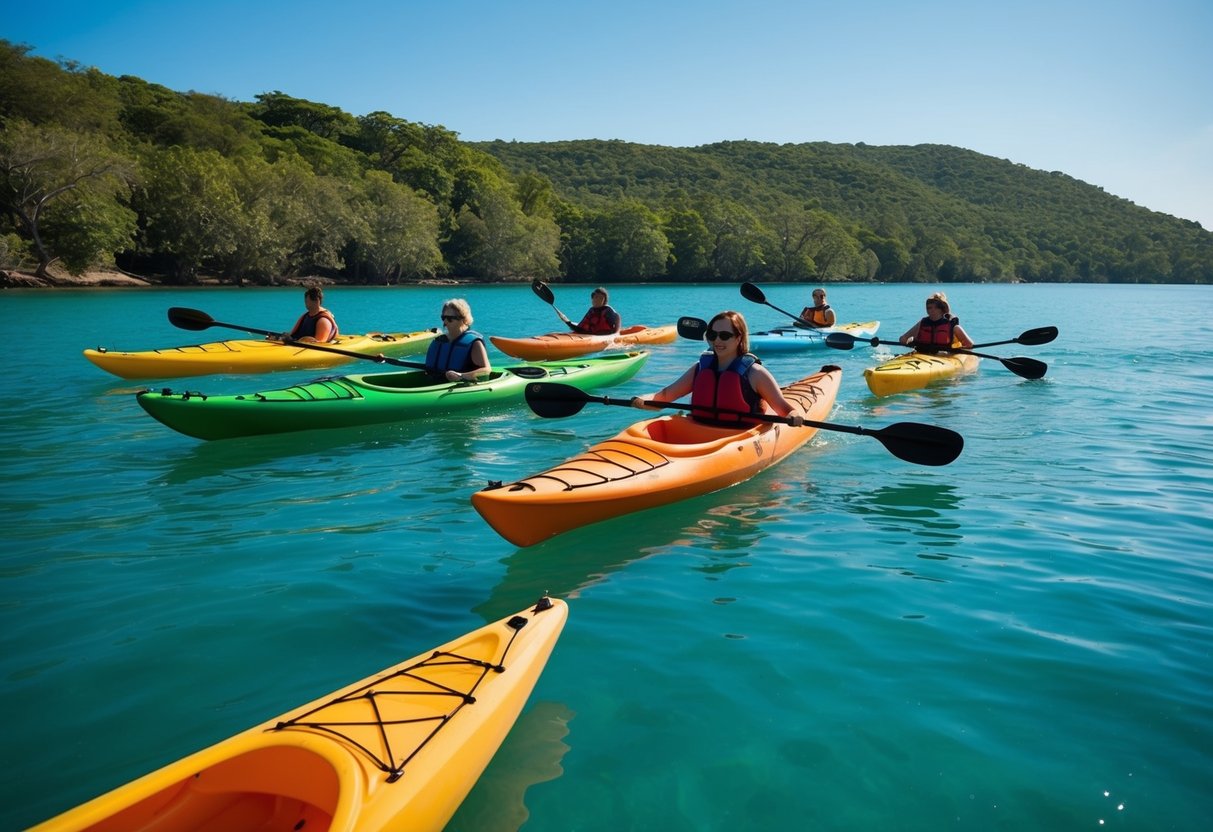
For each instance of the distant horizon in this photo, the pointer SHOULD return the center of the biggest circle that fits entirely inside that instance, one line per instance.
(1119, 96)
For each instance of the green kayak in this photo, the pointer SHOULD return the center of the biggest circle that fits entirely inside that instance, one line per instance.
(368, 399)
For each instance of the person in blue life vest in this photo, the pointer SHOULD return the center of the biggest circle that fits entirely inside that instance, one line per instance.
(818, 315)
(316, 325)
(727, 381)
(459, 354)
(601, 319)
(939, 330)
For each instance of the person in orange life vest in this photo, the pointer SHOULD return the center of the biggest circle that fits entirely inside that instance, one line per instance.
(315, 326)
(938, 330)
(600, 319)
(819, 314)
(459, 354)
(727, 377)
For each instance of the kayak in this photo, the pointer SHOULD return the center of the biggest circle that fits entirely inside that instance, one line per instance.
(368, 399)
(254, 356)
(397, 750)
(786, 338)
(652, 463)
(557, 345)
(913, 370)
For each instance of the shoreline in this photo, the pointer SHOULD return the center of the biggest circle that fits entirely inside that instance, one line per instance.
(112, 278)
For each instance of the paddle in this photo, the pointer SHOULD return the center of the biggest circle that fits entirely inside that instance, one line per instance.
(545, 294)
(913, 442)
(197, 320)
(1031, 338)
(751, 292)
(692, 328)
(1024, 367)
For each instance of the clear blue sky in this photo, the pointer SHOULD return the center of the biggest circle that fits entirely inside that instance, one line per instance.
(1118, 93)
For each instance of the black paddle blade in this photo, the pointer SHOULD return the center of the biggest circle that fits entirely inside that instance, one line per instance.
(692, 328)
(193, 319)
(751, 292)
(1040, 335)
(554, 401)
(920, 444)
(840, 340)
(541, 289)
(1026, 367)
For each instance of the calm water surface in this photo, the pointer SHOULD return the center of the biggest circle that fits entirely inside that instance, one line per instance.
(1020, 640)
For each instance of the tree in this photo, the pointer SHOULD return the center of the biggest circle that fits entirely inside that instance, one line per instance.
(631, 243)
(191, 208)
(501, 242)
(401, 230)
(65, 192)
(690, 243)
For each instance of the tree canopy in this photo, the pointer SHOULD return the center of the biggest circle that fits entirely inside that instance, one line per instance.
(96, 170)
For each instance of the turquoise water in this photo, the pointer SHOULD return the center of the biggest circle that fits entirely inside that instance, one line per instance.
(1020, 640)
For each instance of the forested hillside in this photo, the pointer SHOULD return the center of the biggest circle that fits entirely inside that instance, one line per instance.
(97, 170)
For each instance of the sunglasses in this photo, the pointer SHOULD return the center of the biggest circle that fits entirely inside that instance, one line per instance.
(452, 317)
(712, 335)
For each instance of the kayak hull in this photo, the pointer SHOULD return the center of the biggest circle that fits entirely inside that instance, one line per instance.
(790, 338)
(557, 345)
(253, 356)
(368, 399)
(397, 750)
(654, 462)
(915, 370)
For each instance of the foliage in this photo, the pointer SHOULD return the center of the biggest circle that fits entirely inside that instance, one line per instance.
(98, 169)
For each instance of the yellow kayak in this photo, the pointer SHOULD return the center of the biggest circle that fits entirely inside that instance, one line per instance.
(253, 356)
(397, 750)
(915, 369)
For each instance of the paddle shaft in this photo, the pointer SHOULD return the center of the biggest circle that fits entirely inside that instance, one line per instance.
(204, 321)
(545, 294)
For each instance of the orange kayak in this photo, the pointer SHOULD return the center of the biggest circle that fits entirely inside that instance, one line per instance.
(557, 345)
(397, 750)
(652, 463)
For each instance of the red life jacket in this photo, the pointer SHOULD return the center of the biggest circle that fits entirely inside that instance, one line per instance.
(714, 390)
(600, 320)
(933, 335)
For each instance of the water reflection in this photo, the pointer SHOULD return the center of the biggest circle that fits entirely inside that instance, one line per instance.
(723, 527)
(925, 510)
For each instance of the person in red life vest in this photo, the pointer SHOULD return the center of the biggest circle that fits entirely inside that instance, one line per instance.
(601, 319)
(939, 330)
(459, 354)
(818, 315)
(315, 326)
(727, 381)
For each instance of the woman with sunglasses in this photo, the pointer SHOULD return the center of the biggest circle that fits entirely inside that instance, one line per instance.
(938, 330)
(459, 355)
(818, 315)
(727, 381)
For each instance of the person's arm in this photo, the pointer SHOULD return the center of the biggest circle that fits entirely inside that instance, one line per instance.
(963, 337)
(910, 335)
(831, 318)
(764, 384)
(669, 393)
(614, 320)
(324, 330)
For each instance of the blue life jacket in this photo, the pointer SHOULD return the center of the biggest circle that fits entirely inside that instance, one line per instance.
(446, 355)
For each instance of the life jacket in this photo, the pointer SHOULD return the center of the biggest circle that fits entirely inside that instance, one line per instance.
(454, 355)
(935, 335)
(815, 315)
(305, 327)
(600, 320)
(713, 390)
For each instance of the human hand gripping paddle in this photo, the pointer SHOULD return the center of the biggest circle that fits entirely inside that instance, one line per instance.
(913, 442)
(545, 294)
(1025, 367)
(197, 320)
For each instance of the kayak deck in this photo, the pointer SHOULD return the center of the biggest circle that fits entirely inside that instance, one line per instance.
(557, 345)
(253, 356)
(653, 462)
(914, 370)
(785, 338)
(400, 749)
(367, 399)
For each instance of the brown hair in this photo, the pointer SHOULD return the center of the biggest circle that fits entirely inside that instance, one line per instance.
(601, 291)
(314, 293)
(739, 326)
(942, 300)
